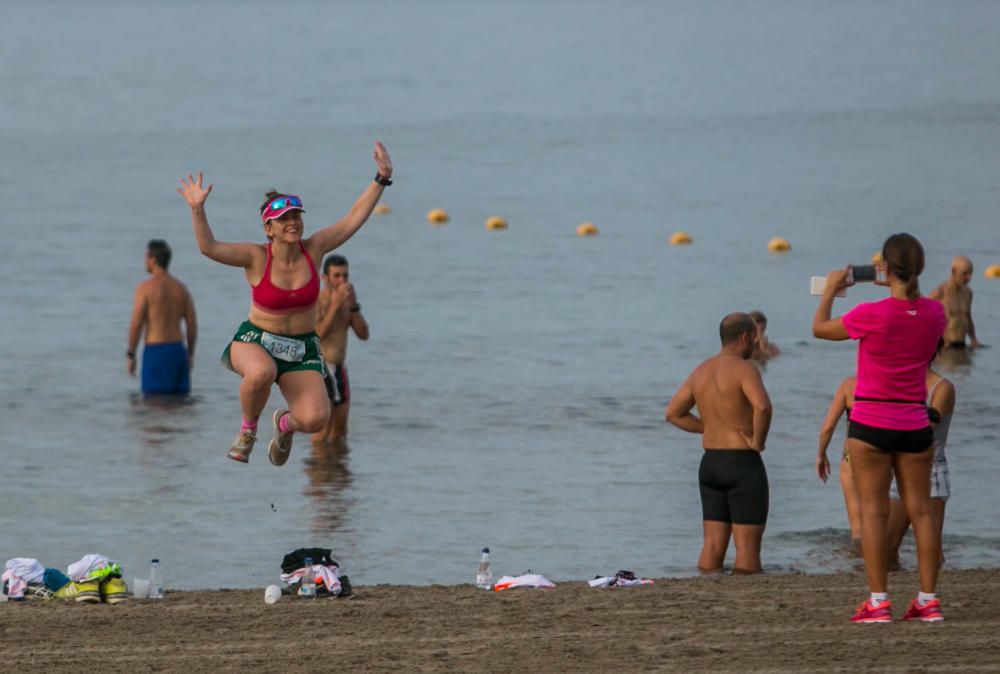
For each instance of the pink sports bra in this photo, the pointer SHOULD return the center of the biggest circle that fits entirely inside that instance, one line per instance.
(275, 300)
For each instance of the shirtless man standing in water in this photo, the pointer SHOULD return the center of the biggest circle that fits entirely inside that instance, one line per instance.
(956, 296)
(735, 417)
(339, 310)
(161, 303)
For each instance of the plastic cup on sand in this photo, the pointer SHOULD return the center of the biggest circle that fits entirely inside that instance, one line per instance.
(140, 588)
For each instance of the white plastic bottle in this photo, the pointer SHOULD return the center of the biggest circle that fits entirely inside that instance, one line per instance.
(484, 576)
(308, 586)
(155, 580)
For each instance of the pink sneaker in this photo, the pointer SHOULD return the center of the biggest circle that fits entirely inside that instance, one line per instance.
(866, 613)
(928, 613)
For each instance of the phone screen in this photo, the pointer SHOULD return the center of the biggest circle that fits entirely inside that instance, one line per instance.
(863, 273)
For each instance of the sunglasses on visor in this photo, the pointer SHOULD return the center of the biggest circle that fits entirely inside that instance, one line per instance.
(282, 202)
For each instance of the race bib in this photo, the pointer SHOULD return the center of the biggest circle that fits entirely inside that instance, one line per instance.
(284, 348)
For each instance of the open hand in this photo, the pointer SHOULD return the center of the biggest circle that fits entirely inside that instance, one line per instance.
(823, 466)
(193, 190)
(382, 160)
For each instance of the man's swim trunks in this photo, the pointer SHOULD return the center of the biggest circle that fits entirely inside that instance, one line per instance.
(733, 486)
(291, 353)
(165, 369)
(338, 384)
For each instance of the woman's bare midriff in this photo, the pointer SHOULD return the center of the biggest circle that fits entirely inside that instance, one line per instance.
(299, 323)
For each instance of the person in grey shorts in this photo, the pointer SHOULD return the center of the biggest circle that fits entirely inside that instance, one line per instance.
(940, 406)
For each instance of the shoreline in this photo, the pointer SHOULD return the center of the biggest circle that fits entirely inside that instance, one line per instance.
(780, 623)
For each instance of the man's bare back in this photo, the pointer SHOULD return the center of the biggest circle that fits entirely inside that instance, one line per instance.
(165, 302)
(719, 387)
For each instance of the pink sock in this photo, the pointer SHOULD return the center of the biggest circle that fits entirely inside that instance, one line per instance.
(249, 425)
(283, 423)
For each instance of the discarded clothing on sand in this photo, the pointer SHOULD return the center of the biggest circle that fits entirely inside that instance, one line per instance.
(18, 572)
(328, 578)
(621, 579)
(93, 567)
(529, 579)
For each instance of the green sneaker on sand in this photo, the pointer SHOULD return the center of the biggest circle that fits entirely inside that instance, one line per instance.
(114, 590)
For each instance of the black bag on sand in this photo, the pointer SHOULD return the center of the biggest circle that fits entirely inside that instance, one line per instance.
(297, 559)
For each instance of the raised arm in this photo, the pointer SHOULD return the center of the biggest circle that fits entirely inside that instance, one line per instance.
(332, 236)
(753, 389)
(837, 407)
(232, 254)
(678, 411)
(825, 327)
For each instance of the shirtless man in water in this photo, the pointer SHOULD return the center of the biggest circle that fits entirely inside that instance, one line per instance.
(956, 296)
(339, 310)
(735, 417)
(161, 303)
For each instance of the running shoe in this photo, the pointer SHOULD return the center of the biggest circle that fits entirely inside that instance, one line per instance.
(87, 592)
(928, 613)
(866, 613)
(114, 590)
(242, 446)
(281, 441)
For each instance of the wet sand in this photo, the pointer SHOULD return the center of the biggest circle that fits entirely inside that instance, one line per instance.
(723, 624)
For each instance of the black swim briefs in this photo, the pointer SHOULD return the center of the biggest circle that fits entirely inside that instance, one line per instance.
(890, 440)
(733, 485)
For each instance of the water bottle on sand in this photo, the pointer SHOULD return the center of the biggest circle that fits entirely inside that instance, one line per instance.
(308, 586)
(155, 580)
(484, 576)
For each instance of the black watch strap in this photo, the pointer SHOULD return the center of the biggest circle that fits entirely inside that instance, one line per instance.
(382, 180)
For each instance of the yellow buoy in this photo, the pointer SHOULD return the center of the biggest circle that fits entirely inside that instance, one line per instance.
(381, 209)
(993, 271)
(437, 216)
(680, 239)
(877, 258)
(496, 222)
(586, 229)
(778, 245)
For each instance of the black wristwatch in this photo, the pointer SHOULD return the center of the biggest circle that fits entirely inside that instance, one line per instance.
(130, 355)
(356, 308)
(382, 180)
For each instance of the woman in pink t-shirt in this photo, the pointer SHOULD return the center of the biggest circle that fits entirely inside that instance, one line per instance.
(889, 429)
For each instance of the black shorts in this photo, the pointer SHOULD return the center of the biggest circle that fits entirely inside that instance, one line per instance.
(338, 385)
(889, 440)
(733, 486)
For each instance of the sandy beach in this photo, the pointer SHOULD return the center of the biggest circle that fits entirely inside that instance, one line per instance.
(733, 624)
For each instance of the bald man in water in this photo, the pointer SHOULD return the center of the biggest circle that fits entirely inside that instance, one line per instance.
(956, 296)
(735, 417)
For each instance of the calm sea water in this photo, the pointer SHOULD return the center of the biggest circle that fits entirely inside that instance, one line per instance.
(513, 389)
